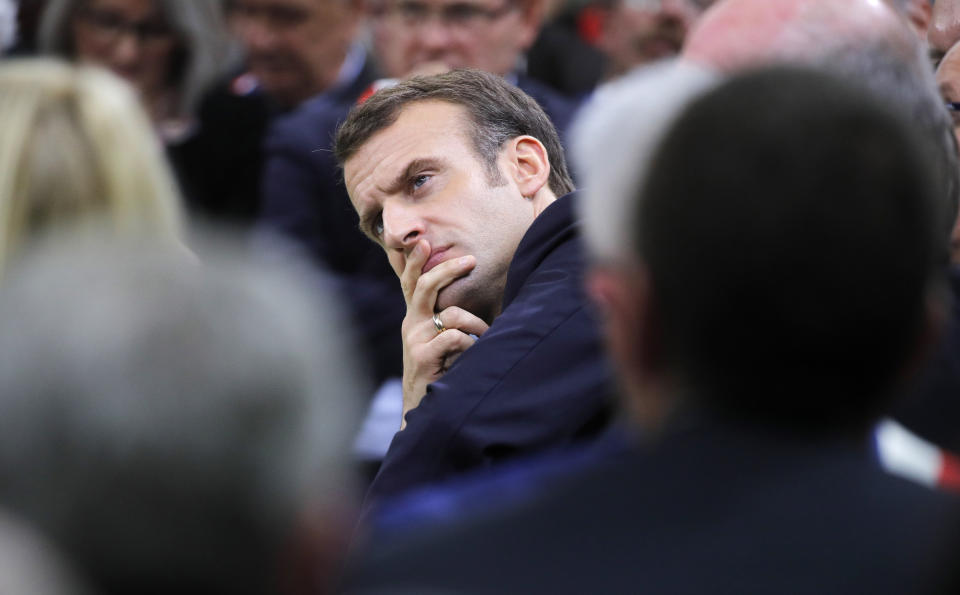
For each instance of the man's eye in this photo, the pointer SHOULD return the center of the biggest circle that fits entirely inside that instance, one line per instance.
(413, 11)
(463, 13)
(419, 181)
(378, 225)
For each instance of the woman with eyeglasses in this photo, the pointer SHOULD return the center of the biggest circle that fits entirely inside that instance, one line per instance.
(178, 55)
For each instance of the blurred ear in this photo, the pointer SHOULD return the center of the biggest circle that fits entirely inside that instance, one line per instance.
(529, 163)
(622, 295)
(920, 13)
(634, 343)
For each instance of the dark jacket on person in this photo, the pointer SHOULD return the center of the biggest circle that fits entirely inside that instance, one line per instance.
(537, 379)
(305, 201)
(218, 165)
(714, 507)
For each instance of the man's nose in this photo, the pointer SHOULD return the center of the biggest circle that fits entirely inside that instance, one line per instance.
(433, 34)
(402, 226)
(126, 50)
(255, 34)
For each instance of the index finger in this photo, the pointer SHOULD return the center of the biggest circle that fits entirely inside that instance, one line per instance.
(413, 267)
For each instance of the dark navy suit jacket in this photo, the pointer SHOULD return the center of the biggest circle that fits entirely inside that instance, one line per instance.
(537, 379)
(305, 200)
(714, 508)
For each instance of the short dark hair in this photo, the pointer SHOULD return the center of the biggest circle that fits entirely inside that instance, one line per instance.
(788, 226)
(498, 112)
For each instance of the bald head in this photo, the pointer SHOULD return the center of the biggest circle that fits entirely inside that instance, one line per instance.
(944, 29)
(737, 34)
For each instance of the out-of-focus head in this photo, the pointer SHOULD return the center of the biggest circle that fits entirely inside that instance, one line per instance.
(488, 35)
(170, 50)
(787, 281)
(864, 41)
(944, 29)
(173, 427)
(28, 564)
(77, 148)
(636, 32)
(737, 34)
(296, 48)
(8, 24)
(613, 140)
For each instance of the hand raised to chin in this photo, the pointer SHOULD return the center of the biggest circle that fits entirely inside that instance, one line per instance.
(428, 350)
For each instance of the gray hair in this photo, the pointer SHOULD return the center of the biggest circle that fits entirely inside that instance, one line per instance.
(208, 53)
(894, 68)
(614, 138)
(8, 24)
(29, 564)
(168, 423)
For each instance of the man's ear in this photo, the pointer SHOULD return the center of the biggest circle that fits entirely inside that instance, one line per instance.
(530, 164)
(623, 297)
(920, 13)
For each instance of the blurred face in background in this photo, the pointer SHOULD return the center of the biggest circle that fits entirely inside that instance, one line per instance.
(132, 38)
(948, 79)
(639, 31)
(294, 47)
(488, 35)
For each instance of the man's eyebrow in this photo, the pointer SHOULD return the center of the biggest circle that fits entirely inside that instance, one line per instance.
(415, 166)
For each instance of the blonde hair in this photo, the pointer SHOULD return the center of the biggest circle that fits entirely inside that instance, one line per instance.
(77, 149)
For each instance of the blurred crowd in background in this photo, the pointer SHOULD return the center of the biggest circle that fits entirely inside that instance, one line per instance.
(202, 358)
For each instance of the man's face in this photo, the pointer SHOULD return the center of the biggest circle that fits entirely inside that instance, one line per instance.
(640, 31)
(419, 179)
(294, 47)
(488, 35)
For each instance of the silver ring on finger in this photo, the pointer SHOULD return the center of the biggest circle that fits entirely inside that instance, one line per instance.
(438, 324)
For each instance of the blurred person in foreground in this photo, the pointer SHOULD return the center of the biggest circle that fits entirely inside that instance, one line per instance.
(176, 428)
(77, 148)
(177, 54)
(864, 41)
(30, 565)
(461, 180)
(753, 360)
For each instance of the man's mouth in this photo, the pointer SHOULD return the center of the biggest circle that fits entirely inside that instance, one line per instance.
(436, 257)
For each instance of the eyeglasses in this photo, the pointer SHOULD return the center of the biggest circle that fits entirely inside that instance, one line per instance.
(273, 16)
(108, 27)
(463, 16)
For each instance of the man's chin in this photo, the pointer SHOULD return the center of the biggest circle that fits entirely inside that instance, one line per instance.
(460, 293)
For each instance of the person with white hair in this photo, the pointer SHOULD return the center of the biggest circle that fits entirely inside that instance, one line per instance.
(175, 428)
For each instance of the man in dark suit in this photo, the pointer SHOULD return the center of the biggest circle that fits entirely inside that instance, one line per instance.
(770, 297)
(461, 180)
